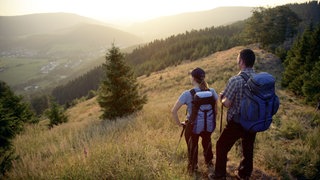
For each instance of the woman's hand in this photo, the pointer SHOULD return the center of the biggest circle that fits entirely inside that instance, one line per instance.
(183, 124)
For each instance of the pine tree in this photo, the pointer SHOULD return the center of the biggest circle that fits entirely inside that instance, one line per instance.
(56, 114)
(302, 66)
(39, 103)
(296, 62)
(271, 26)
(311, 86)
(118, 92)
(13, 114)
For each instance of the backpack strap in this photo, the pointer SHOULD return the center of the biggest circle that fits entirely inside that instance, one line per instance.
(244, 76)
(194, 111)
(193, 92)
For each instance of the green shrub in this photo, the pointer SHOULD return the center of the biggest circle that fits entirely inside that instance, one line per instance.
(292, 129)
(56, 115)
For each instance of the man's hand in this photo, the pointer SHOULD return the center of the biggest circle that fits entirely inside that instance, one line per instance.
(221, 96)
(225, 101)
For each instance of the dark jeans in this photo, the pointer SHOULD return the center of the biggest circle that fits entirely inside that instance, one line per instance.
(229, 136)
(192, 142)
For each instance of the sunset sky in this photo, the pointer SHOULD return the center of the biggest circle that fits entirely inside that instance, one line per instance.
(125, 10)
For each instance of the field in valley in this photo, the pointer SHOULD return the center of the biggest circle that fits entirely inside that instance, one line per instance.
(29, 75)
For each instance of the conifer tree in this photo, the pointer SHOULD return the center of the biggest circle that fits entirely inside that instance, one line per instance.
(271, 26)
(39, 103)
(302, 69)
(118, 92)
(56, 114)
(311, 86)
(13, 114)
(295, 62)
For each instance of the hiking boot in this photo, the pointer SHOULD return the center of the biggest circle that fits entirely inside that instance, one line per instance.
(241, 177)
(210, 167)
(209, 164)
(213, 176)
(192, 170)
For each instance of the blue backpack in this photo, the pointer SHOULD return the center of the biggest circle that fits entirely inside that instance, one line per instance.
(203, 116)
(259, 102)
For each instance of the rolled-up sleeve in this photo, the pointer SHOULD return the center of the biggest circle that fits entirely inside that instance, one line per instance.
(183, 97)
(214, 93)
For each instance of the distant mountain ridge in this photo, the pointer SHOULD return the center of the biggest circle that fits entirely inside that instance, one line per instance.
(80, 38)
(49, 33)
(166, 26)
(40, 23)
(42, 33)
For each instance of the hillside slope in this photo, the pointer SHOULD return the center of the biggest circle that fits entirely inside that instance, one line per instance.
(170, 25)
(142, 146)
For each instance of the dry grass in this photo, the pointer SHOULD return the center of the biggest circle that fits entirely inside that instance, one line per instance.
(142, 146)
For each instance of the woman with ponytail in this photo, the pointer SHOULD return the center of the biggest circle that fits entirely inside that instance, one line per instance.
(186, 98)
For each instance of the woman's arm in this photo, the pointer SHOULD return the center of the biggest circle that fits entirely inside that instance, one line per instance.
(174, 112)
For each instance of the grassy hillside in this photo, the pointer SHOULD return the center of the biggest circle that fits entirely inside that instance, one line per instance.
(142, 146)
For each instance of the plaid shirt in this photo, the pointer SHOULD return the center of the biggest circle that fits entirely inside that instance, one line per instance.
(234, 92)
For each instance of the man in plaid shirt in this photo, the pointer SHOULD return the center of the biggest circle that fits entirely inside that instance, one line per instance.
(231, 98)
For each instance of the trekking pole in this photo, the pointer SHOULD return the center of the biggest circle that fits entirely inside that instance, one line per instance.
(184, 127)
(318, 107)
(316, 110)
(221, 118)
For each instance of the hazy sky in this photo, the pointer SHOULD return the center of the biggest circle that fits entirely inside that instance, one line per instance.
(125, 10)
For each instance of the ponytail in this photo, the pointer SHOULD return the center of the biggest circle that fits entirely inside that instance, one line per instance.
(204, 86)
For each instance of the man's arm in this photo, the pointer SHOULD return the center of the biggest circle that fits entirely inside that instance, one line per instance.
(216, 108)
(225, 101)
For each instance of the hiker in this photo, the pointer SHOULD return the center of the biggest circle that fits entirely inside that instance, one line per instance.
(233, 131)
(197, 126)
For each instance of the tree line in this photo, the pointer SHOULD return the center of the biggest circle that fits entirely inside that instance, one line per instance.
(192, 45)
(79, 87)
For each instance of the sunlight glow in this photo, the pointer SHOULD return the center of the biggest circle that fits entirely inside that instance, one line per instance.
(125, 10)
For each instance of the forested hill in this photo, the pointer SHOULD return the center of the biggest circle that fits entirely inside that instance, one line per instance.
(308, 12)
(195, 44)
(158, 55)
